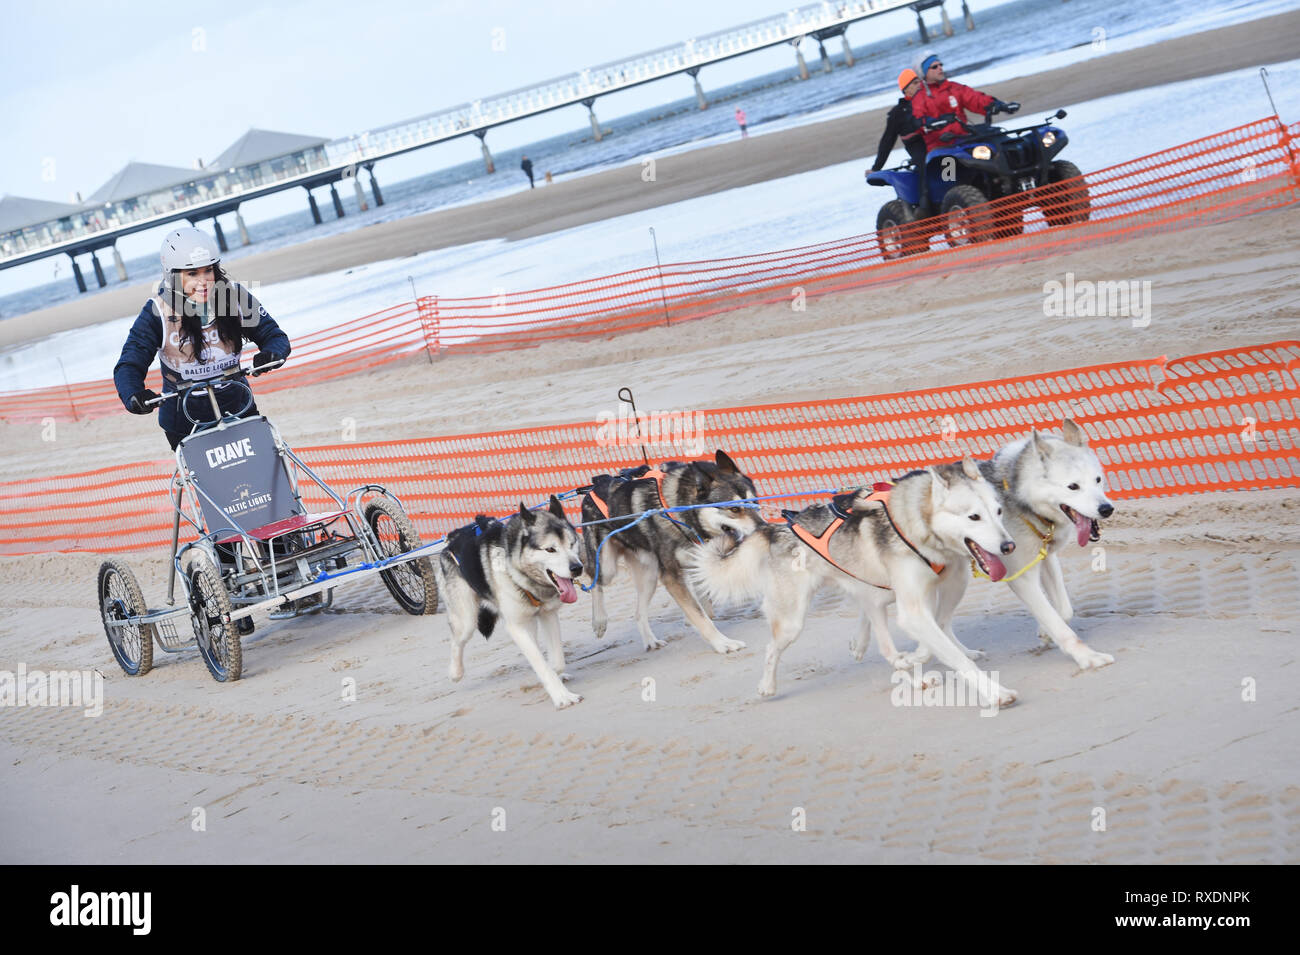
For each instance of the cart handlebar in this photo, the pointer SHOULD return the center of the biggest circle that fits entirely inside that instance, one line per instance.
(185, 387)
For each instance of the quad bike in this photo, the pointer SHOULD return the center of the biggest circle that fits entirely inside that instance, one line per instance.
(973, 169)
(236, 485)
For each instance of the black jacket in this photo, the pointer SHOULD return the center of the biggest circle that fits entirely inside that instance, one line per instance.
(900, 123)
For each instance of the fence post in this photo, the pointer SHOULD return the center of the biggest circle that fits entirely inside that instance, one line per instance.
(429, 325)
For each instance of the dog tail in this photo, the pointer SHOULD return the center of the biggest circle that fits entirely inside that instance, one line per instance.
(487, 621)
(727, 573)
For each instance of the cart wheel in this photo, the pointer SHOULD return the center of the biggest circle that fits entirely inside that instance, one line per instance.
(215, 633)
(119, 598)
(412, 584)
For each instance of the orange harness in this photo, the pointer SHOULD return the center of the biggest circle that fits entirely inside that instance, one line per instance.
(655, 474)
(820, 543)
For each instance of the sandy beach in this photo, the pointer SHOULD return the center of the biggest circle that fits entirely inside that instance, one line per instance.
(347, 742)
(703, 171)
(1199, 594)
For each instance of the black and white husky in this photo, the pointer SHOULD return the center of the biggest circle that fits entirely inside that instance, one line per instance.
(519, 571)
(656, 548)
(914, 546)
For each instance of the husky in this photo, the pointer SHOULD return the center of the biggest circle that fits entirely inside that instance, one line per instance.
(1053, 491)
(910, 542)
(519, 570)
(655, 548)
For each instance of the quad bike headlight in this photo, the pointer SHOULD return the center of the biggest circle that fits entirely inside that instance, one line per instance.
(1049, 139)
(982, 152)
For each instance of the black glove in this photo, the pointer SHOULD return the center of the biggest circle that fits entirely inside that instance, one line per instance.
(137, 403)
(1009, 108)
(264, 358)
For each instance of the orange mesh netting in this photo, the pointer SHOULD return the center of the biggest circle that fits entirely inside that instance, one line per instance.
(1224, 420)
(1229, 174)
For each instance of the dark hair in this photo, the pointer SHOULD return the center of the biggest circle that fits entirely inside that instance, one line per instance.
(224, 297)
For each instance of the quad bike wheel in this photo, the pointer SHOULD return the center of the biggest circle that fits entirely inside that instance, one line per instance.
(895, 232)
(413, 583)
(215, 633)
(120, 598)
(1072, 205)
(966, 218)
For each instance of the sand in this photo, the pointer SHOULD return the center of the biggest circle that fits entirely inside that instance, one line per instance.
(1199, 594)
(699, 172)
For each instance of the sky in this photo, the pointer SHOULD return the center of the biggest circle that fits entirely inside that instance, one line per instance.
(87, 87)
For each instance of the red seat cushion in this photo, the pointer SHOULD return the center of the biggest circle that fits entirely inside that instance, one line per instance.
(277, 528)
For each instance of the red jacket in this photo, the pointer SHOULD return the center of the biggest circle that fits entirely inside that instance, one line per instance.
(947, 97)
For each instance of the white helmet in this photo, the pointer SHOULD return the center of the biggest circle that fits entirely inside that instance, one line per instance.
(188, 248)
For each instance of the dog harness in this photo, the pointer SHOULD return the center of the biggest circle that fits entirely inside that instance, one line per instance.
(645, 474)
(1044, 539)
(463, 546)
(840, 506)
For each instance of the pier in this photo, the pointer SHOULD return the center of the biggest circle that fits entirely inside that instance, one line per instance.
(262, 162)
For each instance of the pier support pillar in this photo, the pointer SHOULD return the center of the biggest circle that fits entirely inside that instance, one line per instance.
(374, 187)
(338, 203)
(488, 164)
(119, 264)
(361, 194)
(947, 24)
(315, 209)
(970, 20)
(99, 270)
(920, 25)
(221, 236)
(848, 50)
(76, 273)
(826, 58)
(699, 90)
(596, 134)
(243, 229)
(803, 65)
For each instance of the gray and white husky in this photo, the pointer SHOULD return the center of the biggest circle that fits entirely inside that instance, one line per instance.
(1053, 493)
(518, 570)
(655, 549)
(917, 544)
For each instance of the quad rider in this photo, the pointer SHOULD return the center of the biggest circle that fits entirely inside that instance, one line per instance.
(901, 123)
(944, 99)
(196, 324)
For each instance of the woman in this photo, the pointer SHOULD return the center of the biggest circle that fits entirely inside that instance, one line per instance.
(196, 325)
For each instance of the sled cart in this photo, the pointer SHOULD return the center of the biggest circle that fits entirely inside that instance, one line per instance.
(237, 485)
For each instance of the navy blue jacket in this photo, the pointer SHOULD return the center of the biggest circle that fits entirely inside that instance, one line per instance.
(143, 344)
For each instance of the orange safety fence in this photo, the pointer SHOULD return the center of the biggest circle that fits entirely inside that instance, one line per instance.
(1237, 172)
(1224, 420)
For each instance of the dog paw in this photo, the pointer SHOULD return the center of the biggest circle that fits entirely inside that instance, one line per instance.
(857, 651)
(727, 645)
(456, 672)
(927, 680)
(599, 629)
(905, 661)
(767, 688)
(1006, 696)
(1046, 640)
(1089, 659)
(654, 644)
(565, 699)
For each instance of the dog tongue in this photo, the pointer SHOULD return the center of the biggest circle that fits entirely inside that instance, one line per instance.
(997, 569)
(1083, 527)
(567, 592)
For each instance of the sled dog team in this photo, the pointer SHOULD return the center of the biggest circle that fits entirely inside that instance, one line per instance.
(914, 542)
